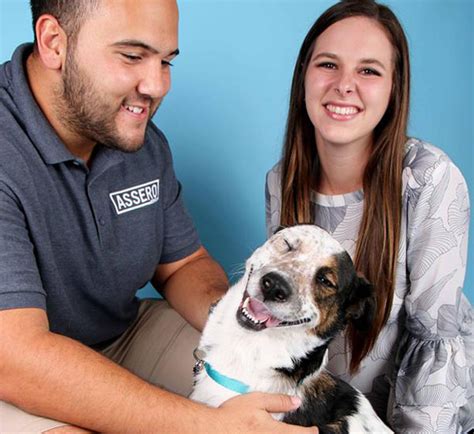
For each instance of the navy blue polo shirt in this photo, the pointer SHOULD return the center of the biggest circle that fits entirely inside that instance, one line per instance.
(76, 241)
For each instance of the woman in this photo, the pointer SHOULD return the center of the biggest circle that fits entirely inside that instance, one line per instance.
(397, 204)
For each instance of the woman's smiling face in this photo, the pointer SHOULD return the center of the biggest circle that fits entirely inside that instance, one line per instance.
(348, 82)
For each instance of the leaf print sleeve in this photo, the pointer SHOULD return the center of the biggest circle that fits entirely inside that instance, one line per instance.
(434, 384)
(272, 201)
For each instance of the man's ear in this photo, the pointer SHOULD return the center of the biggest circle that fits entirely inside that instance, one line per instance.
(361, 305)
(51, 41)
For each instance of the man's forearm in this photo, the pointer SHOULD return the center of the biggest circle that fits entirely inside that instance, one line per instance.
(193, 288)
(59, 378)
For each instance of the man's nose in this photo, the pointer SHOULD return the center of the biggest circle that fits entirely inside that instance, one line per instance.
(155, 81)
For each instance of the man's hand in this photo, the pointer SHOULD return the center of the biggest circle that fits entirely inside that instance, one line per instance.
(250, 413)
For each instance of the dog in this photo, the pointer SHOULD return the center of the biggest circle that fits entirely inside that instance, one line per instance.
(271, 330)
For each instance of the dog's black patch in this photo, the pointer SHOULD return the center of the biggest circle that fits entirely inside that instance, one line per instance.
(361, 305)
(305, 366)
(356, 294)
(351, 300)
(327, 404)
(342, 297)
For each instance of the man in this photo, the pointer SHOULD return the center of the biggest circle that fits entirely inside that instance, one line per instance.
(90, 210)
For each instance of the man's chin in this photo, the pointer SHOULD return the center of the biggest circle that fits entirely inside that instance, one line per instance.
(125, 146)
(129, 141)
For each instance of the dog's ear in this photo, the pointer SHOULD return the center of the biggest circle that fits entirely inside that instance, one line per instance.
(361, 305)
(278, 229)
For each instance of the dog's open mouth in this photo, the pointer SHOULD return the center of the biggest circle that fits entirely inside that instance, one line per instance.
(254, 315)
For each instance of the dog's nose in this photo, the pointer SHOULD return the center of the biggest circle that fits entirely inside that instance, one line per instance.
(275, 287)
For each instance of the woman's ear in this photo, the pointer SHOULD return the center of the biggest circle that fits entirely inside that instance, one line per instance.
(51, 42)
(361, 306)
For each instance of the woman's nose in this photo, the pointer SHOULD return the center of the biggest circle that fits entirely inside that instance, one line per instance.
(345, 84)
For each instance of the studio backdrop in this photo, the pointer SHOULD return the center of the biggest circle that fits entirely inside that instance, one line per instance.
(225, 115)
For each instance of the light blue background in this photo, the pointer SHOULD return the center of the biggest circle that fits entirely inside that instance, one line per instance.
(226, 113)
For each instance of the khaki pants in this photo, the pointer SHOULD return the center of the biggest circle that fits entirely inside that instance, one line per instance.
(157, 347)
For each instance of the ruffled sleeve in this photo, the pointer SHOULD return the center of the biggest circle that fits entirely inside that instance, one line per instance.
(272, 200)
(432, 389)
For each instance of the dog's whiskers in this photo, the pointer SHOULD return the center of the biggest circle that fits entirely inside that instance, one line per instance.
(236, 272)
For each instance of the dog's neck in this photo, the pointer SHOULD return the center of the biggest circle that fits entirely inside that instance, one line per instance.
(305, 366)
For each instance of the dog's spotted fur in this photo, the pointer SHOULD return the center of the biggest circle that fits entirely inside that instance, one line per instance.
(272, 329)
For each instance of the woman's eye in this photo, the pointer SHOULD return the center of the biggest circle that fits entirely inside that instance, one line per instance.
(327, 65)
(166, 63)
(370, 71)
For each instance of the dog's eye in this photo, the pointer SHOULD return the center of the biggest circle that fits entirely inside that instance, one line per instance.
(321, 278)
(290, 247)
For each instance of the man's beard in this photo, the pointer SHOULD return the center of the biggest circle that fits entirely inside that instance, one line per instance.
(85, 111)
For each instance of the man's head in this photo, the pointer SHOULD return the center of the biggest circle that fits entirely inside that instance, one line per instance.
(111, 60)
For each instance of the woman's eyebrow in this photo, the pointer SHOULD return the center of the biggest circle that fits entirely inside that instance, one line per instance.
(325, 54)
(373, 61)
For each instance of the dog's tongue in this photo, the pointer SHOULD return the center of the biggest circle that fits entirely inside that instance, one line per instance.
(260, 312)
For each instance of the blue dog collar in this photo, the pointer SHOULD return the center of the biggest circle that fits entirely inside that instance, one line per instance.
(227, 382)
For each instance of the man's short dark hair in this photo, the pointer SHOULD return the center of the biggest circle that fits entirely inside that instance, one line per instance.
(70, 13)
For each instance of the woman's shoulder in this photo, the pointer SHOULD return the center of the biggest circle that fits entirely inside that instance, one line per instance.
(275, 170)
(424, 163)
(274, 177)
(419, 152)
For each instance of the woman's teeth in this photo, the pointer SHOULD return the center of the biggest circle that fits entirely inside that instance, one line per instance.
(342, 110)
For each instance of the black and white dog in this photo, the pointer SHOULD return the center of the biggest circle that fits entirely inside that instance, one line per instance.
(270, 332)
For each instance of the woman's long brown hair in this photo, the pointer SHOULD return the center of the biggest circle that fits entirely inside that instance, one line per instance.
(379, 233)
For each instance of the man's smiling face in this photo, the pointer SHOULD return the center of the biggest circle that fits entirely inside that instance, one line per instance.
(117, 71)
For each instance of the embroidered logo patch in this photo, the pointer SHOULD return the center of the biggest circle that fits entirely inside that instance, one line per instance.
(136, 197)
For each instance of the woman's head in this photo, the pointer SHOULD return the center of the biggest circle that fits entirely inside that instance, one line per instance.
(388, 41)
(379, 230)
(348, 82)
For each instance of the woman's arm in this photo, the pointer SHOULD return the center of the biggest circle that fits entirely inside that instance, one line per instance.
(432, 383)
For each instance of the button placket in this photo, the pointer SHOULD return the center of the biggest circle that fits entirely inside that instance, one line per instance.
(98, 209)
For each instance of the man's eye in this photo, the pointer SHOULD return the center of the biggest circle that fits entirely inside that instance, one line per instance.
(166, 63)
(130, 57)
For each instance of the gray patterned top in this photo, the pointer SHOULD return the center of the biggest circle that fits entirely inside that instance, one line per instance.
(420, 374)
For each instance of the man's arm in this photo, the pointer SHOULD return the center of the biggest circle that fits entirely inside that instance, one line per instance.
(57, 377)
(191, 285)
(54, 376)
